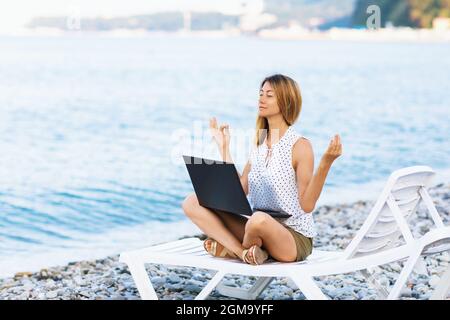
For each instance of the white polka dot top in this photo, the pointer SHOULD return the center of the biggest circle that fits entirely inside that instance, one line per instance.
(272, 183)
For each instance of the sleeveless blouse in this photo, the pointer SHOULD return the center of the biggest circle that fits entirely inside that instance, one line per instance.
(272, 183)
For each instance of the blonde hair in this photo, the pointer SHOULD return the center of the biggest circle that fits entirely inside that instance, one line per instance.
(289, 101)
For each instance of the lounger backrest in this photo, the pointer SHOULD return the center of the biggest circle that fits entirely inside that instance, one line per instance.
(386, 226)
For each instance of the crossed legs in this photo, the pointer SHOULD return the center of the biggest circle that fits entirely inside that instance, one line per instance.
(237, 233)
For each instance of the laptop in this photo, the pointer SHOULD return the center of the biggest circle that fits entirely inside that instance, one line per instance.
(217, 186)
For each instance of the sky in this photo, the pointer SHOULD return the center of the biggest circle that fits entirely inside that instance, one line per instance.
(14, 14)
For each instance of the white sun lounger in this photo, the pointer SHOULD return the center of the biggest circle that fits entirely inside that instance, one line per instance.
(385, 237)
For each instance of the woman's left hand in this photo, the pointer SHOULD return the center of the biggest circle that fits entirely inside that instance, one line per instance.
(334, 150)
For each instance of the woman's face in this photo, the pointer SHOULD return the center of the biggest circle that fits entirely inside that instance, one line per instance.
(267, 103)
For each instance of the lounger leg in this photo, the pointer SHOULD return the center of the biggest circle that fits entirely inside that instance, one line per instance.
(443, 288)
(210, 286)
(404, 274)
(420, 267)
(308, 287)
(382, 292)
(246, 294)
(141, 279)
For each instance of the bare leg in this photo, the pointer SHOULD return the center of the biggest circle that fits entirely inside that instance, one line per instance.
(266, 232)
(234, 223)
(226, 229)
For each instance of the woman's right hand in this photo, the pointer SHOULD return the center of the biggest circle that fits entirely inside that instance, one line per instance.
(221, 135)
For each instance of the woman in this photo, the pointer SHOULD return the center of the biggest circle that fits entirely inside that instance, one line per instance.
(278, 176)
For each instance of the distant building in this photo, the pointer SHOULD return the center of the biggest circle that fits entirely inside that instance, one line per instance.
(252, 16)
(187, 17)
(315, 22)
(252, 22)
(441, 23)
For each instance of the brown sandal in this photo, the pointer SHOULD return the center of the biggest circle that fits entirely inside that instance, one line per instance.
(218, 250)
(258, 255)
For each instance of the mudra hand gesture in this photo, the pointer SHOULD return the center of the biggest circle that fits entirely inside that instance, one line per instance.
(334, 150)
(221, 135)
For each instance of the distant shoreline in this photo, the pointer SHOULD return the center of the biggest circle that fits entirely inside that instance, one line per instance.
(402, 34)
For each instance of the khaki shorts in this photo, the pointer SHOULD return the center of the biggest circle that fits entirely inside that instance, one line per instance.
(304, 244)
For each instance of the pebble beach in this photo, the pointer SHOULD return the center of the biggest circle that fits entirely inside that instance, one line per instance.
(108, 279)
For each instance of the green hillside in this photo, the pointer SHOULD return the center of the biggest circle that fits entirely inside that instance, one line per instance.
(412, 13)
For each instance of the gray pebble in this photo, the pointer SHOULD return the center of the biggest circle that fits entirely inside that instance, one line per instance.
(196, 283)
(229, 282)
(158, 281)
(174, 278)
(192, 288)
(51, 294)
(175, 287)
(299, 296)
(406, 292)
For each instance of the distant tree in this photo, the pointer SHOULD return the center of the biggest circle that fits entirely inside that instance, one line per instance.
(412, 13)
(395, 11)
